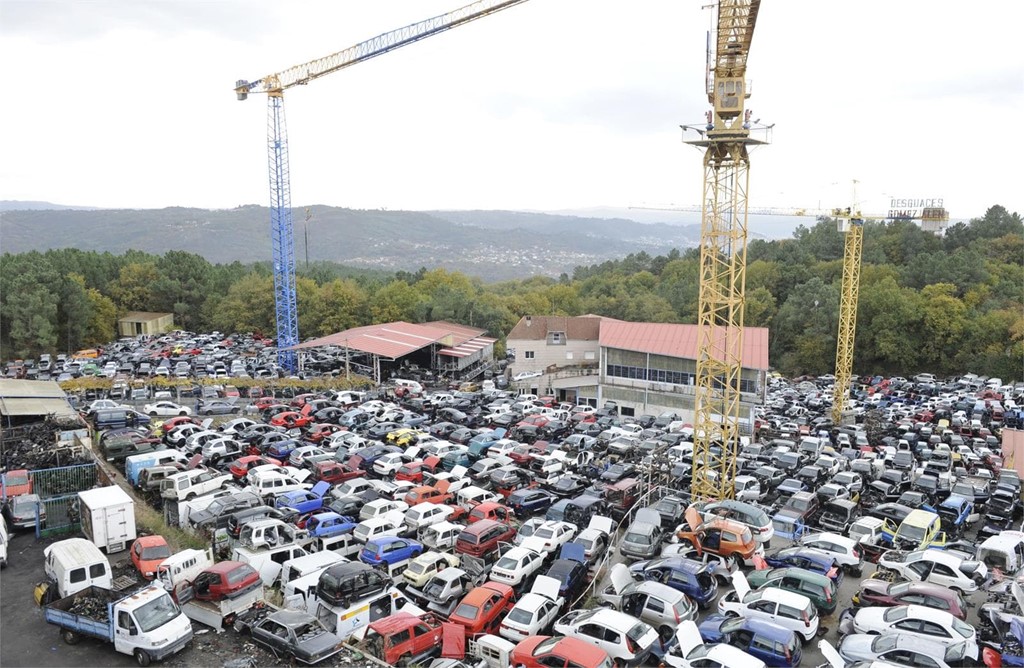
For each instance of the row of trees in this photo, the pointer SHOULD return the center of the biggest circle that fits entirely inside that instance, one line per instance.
(947, 304)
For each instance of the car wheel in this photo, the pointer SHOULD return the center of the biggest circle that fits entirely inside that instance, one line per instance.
(70, 637)
(182, 413)
(142, 657)
(152, 413)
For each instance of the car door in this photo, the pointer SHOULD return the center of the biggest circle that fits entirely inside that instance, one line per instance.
(763, 608)
(945, 576)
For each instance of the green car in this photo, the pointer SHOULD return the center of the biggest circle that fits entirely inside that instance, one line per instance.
(819, 588)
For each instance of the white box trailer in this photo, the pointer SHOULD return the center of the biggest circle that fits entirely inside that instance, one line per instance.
(108, 517)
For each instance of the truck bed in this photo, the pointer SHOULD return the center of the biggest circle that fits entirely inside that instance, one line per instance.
(84, 612)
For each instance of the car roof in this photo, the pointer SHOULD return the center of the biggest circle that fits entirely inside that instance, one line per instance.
(224, 566)
(783, 596)
(765, 628)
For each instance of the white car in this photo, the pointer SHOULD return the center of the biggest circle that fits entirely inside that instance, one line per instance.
(387, 465)
(690, 651)
(534, 612)
(299, 454)
(425, 514)
(595, 538)
(389, 524)
(165, 409)
(550, 536)
(526, 375)
(788, 609)
(937, 567)
(917, 620)
(900, 649)
(516, 566)
(845, 551)
(527, 529)
(625, 638)
(238, 425)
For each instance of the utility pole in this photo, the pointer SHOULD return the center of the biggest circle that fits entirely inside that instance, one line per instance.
(305, 234)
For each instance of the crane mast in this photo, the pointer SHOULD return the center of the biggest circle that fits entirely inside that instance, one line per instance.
(723, 256)
(852, 224)
(282, 228)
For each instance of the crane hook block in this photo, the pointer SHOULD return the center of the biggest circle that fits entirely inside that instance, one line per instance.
(242, 89)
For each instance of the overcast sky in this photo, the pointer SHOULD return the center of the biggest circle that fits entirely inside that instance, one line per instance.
(549, 105)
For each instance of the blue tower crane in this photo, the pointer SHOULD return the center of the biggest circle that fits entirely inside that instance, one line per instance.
(282, 232)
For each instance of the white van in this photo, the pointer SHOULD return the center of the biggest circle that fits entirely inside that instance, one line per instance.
(440, 536)
(183, 567)
(268, 563)
(76, 564)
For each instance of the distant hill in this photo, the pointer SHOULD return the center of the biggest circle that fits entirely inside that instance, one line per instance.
(22, 205)
(493, 245)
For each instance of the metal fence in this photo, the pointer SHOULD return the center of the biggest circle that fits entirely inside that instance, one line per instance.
(63, 480)
(57, 515)
(57, 512)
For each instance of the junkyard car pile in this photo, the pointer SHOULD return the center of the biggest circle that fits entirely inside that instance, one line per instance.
(547, 533)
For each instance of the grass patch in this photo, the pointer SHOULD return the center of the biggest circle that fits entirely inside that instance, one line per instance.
(150, 521)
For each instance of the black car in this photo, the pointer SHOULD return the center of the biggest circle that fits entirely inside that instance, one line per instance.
(525, 502)
(671, 509)
(894, 512)
(568, 486)
(217, 514)
(571, 576)
(617, 472)
(343, 584)
(347, 505)
(294, 634)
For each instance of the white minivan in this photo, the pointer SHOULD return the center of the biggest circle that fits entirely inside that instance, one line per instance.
(788, 609)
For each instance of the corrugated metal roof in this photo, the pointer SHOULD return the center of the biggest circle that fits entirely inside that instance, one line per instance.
(33, 397)
(391, 340)
(678, 340)
(459, 333)
(468, 348)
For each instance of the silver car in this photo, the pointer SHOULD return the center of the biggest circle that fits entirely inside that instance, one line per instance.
(659, 605)
(644, 536)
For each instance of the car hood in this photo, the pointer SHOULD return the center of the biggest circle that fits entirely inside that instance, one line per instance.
(870, 619)
(710, 628)
(319, 646)
(857, 647)
(875, 586)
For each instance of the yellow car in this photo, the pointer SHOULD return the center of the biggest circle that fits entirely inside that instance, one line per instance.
(427, 565)
(404, 436)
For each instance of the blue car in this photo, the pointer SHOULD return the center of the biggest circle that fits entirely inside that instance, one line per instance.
(525, 502)
(773, 644)
(322, 525)
(304, 501)
(694, 578)
(808, 559)
(389, 550)
(954, 512)
(282, 450)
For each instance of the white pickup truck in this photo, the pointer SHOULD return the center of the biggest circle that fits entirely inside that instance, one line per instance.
(190, 484)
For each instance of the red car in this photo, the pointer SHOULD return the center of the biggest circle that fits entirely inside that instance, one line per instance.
(483, 608)
(523, 454)
(482, 538)
(300, 400)
(490, 511)
(226, 579)
(411, 472)
(429, 494)
(240, 467)
(290, 420)
(16, 483)
(874, 592)
(263, 403)
(319, 432)
(335, 472)
(176, 421)
(402, 638)
(545, 651)
(148, 553)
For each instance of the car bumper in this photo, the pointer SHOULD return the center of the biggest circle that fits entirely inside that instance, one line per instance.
(173, 648)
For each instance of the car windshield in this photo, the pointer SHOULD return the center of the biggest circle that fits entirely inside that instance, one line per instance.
(520, 616)
(966, 630)
(731, 625)
(895, 614)
(156, 613)
(16, 478)
(527, 530)
(156, 552)
(638, 631)
(416, 568)
(545, 533)
(899, 589)
(911, 532)
(507, 564)
(638, 538)
(546, 646)
(884, 643)
(466, 611)
(240, 574)
(956, 653)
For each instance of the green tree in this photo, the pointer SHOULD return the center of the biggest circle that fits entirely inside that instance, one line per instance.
(32, 310)
(133, 290)
(102, 322)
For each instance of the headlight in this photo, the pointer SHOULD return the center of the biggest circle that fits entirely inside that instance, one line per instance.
(157, 643)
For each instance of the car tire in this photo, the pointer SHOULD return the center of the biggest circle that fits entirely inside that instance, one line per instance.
(142, 657)
(70, 637)
(152, 413)
(181, 414)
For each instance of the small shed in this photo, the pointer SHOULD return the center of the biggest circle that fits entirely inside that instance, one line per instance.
(135, 323)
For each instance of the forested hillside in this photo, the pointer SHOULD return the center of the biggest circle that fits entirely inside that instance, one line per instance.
(946, 304)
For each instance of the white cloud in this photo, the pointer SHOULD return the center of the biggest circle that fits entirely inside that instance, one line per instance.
(552, 104)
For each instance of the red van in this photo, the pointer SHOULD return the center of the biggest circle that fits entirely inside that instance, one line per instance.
(481, 539)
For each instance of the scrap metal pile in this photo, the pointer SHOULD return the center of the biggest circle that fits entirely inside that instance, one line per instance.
(35, 446)
(92, 607)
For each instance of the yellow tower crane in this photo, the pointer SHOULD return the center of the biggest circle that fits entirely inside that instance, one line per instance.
(851, 223)
(723, 254)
